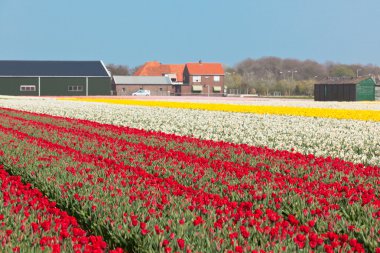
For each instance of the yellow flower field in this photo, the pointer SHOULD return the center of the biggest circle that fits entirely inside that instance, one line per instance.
(365, 115)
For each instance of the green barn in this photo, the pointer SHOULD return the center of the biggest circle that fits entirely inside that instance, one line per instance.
(54, 78)
(345, 89)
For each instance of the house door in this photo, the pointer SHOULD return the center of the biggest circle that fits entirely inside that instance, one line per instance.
(177, 90)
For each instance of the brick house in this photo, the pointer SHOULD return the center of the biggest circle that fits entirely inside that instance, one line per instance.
(190, 78)
(203, 79)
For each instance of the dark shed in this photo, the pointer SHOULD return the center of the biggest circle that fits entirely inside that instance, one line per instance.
(54, 78)
(345, 89)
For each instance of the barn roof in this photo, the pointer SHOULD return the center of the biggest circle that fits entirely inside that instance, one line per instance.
(53, 68)
(342, 80)
(137, 80)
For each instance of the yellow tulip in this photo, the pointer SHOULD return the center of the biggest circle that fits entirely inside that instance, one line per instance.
(366, 115)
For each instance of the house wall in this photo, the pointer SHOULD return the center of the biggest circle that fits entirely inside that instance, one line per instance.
(155, 90)
(208, 81)
(377, 92)
(186, 90)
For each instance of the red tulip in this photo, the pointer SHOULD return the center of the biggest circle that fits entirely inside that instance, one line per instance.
(181, 243)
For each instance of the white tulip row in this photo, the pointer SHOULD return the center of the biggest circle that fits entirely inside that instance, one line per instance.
(356, 141)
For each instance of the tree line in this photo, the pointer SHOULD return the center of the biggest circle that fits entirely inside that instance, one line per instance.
(277, 76)
(289, 77)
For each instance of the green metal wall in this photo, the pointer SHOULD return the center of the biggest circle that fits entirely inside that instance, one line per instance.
(11, 86)
(99, 86)
(59, 86)
(55, 86)
(365, 90)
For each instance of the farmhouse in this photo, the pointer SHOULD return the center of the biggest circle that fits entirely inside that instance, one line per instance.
(54, 78)
(158, 85)
(204, 78)
(345, 89)
(190, 78)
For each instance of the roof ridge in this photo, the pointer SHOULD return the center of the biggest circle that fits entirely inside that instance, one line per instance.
(52, 68)
(50, 60)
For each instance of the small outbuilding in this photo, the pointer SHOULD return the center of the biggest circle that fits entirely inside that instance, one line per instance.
(345, 89)
(54, 78)
(157, 85)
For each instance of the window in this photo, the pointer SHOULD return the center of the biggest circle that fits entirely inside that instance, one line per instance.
(216, 78)
(217, 88)
(27, 88)
(75, 87)
(197, 79)
(197, 88)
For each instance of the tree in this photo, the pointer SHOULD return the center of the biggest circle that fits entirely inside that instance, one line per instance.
(297, 90)
(310, 70)
(122, 70)
(341, 71)
(232, 80)
(287, 87)
(305, 87)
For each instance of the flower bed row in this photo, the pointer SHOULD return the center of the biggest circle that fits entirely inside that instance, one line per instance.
(367, 115)
(356, 141)
(307, 103)
(177, 194)
(30, 222)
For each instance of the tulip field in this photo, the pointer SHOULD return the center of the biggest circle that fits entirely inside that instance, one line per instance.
(114, 176)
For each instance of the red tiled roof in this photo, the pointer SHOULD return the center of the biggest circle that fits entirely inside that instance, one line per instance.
(155, 68)
(178, 69)
(205, 68)
(147, 68)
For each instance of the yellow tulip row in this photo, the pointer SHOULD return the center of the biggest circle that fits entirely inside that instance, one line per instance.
(365, 115)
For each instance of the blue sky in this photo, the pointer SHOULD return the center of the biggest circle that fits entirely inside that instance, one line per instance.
(174, 31)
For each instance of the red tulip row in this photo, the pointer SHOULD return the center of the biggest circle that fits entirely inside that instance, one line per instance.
(29, 221)
(207, 149)
(253, 198)
(148, 157)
